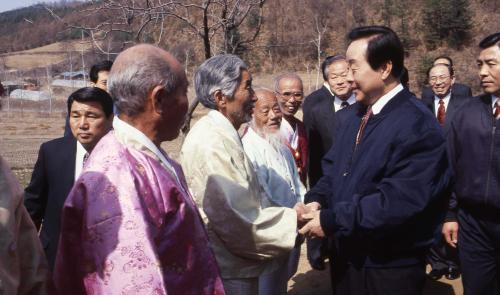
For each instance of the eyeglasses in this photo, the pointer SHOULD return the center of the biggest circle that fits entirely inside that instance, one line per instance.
(438, 78)
(298, 96)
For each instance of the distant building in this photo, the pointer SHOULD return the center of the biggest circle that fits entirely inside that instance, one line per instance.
(29, 95)
(69, 83)
(73, 75)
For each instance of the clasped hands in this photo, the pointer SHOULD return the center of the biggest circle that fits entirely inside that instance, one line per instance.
(308, 219)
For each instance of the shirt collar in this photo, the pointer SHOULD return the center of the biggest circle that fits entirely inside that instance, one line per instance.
(382, 101)
(224, 123)
(446, 98)
(494, 99)
(132, 133)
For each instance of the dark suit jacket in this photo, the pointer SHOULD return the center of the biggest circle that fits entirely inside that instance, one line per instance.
(51, 182)
(456, 102)
(319, 114)
(456, 88)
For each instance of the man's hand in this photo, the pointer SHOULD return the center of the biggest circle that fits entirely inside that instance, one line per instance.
(314, 206)
(450, 233)
(313, 227)
(301, 209)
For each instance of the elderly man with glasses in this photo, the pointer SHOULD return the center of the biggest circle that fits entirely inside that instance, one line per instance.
(290, 93)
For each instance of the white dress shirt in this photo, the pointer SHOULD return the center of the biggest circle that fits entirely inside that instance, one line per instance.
(337, 102)
(80, 154)
(446, 101)
(382, 101)
(494, 100)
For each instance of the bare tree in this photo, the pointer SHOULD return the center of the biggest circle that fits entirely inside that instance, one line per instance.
(321, 27)
(236, 23)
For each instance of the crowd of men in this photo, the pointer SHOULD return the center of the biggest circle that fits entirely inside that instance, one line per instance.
(378, 181)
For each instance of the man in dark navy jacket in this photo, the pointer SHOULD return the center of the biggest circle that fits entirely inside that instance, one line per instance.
(383, 193)
(474, 145)
(444, 105)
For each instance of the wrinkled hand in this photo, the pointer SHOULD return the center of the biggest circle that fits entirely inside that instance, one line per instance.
(301, 210)
(450, 233)
(313, 227)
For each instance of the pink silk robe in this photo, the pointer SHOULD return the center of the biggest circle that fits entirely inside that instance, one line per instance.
(128, 228)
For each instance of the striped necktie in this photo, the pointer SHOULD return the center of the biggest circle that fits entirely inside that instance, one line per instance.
(362, 126)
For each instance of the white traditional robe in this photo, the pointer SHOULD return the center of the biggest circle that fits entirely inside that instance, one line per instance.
(244, 236)
(276, 171)
(280, 179)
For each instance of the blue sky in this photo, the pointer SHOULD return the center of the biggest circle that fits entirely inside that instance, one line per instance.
(13, 4)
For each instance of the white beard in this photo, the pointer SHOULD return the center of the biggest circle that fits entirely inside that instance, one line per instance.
(274, 138)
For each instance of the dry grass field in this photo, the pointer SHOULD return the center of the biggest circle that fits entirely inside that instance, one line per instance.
(43, 56)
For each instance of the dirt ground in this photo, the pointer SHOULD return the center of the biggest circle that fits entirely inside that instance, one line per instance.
(22, 133)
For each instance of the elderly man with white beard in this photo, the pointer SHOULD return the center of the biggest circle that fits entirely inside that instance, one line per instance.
(277, 174)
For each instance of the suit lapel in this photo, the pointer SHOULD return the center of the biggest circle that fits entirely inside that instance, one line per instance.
(68, 158)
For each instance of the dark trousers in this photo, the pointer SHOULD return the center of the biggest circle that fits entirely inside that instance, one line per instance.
(479, 251)
(442, 256)
(349, 280)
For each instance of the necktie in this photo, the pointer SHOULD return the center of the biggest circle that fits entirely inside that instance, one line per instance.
(441, 112)
(85, 157)
(344, 104)
(364, 120)
(497, 110)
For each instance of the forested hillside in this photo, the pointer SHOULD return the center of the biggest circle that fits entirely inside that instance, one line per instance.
(272, 35)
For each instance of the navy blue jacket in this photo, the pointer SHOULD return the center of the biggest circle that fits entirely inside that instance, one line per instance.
(474, 145)
(383, 202)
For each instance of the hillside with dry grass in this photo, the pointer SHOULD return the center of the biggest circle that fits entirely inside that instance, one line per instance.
(292, 34)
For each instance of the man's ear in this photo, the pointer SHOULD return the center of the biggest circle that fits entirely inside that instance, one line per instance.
(220, 99)
(385, 70)
(156, 96)
(453, 80)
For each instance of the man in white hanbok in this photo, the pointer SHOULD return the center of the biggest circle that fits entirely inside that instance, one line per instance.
(277, 174)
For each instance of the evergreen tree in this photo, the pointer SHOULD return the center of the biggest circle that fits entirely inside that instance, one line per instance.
(446, 20)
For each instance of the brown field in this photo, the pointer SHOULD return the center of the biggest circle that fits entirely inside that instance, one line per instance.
(43, 56)
(21, 134)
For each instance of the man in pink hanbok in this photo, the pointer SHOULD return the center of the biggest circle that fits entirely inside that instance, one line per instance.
(129, 225)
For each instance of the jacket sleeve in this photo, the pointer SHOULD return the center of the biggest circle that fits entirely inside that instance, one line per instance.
(453, 154)
(35, 194)
(416, 176)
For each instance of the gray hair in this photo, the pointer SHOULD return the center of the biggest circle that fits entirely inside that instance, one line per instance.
(221, 72)
(278, 79)
(130, 85)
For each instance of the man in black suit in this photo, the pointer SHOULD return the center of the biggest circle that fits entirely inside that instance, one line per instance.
(319, 113)
(61, 160)
(474, 147)
(457, 88)
(445, 103)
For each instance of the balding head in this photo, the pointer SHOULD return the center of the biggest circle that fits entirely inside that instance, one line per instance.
(266, 114)
(136, 71)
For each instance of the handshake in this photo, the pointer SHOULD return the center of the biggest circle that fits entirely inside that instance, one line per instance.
(308, 219)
